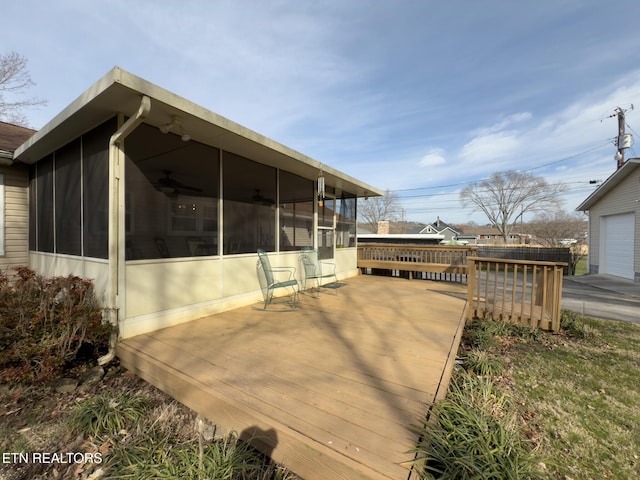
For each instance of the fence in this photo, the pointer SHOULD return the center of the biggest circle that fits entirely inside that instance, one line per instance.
(520, 252)
(520, 291)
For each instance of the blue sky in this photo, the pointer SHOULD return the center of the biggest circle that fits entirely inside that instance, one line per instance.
(418, 97)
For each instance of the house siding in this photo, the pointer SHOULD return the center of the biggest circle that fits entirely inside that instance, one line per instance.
(16, 222)
(624, 198)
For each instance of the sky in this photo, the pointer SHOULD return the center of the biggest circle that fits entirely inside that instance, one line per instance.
(418, 97)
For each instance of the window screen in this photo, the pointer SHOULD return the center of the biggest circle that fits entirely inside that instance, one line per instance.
(44, 204)
(249, 205)
(296, 212)
(68, 201)
(171, 198)
(95, 193)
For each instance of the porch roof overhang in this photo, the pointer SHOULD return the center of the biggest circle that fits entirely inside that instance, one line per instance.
(608, 185)
(120, 92)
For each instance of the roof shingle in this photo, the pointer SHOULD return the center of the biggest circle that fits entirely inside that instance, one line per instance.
(12, 136)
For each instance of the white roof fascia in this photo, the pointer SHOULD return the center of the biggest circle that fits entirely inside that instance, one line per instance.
(120, 90)
(613, 180)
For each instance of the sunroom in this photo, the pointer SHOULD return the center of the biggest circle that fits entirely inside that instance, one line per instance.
(164, 204)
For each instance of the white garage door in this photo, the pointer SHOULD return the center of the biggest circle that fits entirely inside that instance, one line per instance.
(617, 234)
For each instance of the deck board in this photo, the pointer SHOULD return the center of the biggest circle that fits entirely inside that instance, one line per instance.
(338, 382)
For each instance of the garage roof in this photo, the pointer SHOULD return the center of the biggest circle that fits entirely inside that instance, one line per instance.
(626, 169)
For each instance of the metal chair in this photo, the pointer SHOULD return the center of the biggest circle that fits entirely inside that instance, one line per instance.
(315, 269)
(270, 284)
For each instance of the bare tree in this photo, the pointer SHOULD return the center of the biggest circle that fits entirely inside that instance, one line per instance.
(375, 209)
(562, 229)
(14, 81)
(505, 196)
(558, 228)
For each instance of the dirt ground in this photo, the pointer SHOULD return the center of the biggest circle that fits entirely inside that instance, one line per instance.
(35, 441)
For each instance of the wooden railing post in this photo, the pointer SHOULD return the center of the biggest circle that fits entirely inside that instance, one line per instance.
(471, 288)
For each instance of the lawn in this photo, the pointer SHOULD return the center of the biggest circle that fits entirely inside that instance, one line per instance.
(561, 406)
(582, 394)
(581, 266)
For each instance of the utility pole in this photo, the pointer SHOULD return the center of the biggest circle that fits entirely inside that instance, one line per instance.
(624, 139)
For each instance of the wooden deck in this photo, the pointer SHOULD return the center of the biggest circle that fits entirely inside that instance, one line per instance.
(330, 389)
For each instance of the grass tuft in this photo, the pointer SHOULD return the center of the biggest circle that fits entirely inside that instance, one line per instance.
(475, 436)
(483, 363)
(107, 415)
(160, 456)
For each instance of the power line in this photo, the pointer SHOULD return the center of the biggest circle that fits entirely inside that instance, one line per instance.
(428, 195)
(468, 182)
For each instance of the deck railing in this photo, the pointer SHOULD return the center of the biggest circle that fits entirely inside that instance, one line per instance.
(521, 291)
(415, 258)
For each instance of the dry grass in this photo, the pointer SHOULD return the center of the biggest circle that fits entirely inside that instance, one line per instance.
(583, 395)
(138, 430)
(577, 391)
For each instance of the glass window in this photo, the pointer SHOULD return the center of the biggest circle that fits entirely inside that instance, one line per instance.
(249, 205)
(296, 212)
(325, 243)
(326, 207)
(346, 221)
(68, 201)
(171, 201)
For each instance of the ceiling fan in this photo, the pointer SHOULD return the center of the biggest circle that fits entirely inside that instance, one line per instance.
(170, 185)
(258, 198)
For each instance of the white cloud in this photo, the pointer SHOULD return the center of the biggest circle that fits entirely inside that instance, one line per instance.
(493, 146)
(433, 158)
(507, 121)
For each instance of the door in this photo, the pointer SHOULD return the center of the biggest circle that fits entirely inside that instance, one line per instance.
(326, 227)
(616, 244)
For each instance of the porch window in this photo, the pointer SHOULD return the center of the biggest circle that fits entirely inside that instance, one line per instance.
(43, 173)
(346, 221)
(249, 205)
(95, 192)
(171, 196)
(68, 200)
(296, 212)
(68, 197)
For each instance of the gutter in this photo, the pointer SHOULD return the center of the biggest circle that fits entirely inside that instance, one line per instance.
(116, 272)
(6, 158)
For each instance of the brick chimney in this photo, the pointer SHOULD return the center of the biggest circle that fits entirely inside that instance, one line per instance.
(383, 227)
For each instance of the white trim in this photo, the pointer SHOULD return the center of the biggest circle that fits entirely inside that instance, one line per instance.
(3, 215)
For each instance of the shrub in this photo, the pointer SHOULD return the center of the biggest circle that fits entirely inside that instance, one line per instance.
(44, 322)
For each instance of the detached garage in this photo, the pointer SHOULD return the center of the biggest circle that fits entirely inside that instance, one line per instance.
(616, 244)
(614, 223)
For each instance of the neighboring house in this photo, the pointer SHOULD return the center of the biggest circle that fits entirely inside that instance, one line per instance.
(401, 238)
(164, 203)
(614, 223)
(14, 199)
(492, 236)
(448, 232)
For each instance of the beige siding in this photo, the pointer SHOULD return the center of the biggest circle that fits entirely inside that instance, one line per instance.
(166, 292)
(624, 198)
(16, 217)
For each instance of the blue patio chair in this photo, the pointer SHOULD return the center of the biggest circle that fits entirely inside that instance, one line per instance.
(316, 270)
(271, 284)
